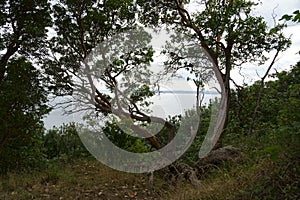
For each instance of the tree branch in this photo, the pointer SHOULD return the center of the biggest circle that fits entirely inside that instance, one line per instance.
(261, 92)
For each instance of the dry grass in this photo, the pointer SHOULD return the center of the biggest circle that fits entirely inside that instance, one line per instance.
(79, 180)
(253, 176)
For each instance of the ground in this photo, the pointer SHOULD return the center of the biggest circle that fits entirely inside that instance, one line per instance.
(82, 179)
(267, 168)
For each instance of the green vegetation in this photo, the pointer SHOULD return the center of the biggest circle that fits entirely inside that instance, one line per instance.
(23, 103)
(262, 120)
(267, 167)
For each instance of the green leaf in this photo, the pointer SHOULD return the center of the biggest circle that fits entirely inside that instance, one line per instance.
(286, 17)
(273, 152)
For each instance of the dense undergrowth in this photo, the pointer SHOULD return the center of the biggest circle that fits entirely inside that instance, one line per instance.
(59, 167)
(267, 168)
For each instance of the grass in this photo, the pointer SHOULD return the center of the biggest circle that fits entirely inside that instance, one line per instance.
(82, 179)
(268, 168)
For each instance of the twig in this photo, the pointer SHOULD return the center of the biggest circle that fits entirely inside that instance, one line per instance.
(260, 94)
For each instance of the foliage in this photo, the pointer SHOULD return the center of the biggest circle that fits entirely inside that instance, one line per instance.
(191, 156)
(279, 106)
(80, 26)
(23, 30)
(243, 37)
(63, 143)
(23, 95)
(227, 30)
(231, 36)
(23, 104)
(287, 90)
(273, 163)
(295, 17)
(253, 176)
(125, 140)
(85, 56)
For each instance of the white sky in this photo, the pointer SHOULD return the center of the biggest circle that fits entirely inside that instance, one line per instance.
(250, 74)
(285, 59)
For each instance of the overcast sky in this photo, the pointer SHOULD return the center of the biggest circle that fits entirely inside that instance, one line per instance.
(268, 9)
(249, 74)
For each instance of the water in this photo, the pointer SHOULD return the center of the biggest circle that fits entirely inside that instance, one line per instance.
(163, 105)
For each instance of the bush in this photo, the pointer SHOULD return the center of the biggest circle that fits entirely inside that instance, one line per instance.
(63, 143)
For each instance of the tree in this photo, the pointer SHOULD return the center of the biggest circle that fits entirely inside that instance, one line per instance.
(23, 30)
(286, 93)
(295, 17)
(80, 27)
(63, 142)
(225, 29)
(278, 108)
(23, 93)
(23, 104)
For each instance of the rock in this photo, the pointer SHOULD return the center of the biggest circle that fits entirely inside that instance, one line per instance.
(218, 156)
